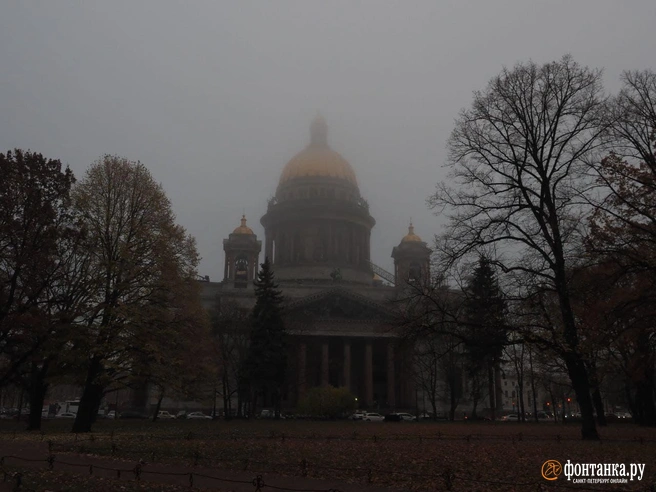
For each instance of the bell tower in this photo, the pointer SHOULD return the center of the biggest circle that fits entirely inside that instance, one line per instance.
(411, 259)
(242, 251)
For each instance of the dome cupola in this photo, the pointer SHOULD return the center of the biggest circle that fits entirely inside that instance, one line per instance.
(243, 228)
(318, 159)
(411, 237)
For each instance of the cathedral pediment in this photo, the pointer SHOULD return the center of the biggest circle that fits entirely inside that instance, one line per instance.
(337, 304)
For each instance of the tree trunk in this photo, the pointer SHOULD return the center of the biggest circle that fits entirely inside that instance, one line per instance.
(20, 405)
(38, 390)
(433, 402)
(276, 402)
(240, 400)
(576, 368)
(454, 399)
(498, 390)
(535, 396)
(252, 405)
(226, 398)
(490, 389)
(159, 404)
(596, 396)
(646, 414)
(599, 407)
(91, 397)
(581, 384)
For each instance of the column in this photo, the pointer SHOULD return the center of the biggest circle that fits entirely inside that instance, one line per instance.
(347, 364)
(225, 268)
(410, 389)
(325, 360)
(368, 374)
(391, 382)
(254, 267)
(302, 359)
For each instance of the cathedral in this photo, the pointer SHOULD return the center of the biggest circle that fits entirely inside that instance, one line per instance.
(337, 302)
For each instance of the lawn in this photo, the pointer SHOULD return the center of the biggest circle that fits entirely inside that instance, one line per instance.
(406, 456)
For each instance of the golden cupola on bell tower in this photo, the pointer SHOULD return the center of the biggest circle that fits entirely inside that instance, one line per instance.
(411, 259)
(318, 222)
(242, 251)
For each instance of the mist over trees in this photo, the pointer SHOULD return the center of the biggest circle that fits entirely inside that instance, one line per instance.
(546, 267)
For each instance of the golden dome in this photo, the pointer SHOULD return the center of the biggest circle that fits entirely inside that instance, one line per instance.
(411, 237)
(243, 228)
(318, 159)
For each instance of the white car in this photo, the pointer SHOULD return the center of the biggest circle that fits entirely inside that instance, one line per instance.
(66, 415)
(373, 417)
(198, 415)
(164, 415)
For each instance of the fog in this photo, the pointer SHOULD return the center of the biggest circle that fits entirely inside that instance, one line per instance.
(215, 97)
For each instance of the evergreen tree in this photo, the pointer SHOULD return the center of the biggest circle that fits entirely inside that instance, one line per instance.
(485, 327)
(266, 365)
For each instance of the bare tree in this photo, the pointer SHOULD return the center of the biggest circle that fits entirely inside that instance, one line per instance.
(518, 167)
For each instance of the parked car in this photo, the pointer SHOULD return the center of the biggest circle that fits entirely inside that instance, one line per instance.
(66, 415)
(198, 416)
(373, 417)
(407, 417)
(181, 414)
(111, 414)
(164, 415)
(478, 418)
(357, 416)
(513, 417)
(393, 417)
(545, 416)
(131, 414)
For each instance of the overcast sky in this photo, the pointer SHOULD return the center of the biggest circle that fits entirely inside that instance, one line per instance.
(215, 97)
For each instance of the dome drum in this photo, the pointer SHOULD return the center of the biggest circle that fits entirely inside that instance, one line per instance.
(317, 210)
(318, 187)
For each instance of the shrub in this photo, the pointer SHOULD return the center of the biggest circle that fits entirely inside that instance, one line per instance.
(327, 402)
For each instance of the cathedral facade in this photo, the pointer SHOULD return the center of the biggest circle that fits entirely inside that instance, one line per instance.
(337, 306)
